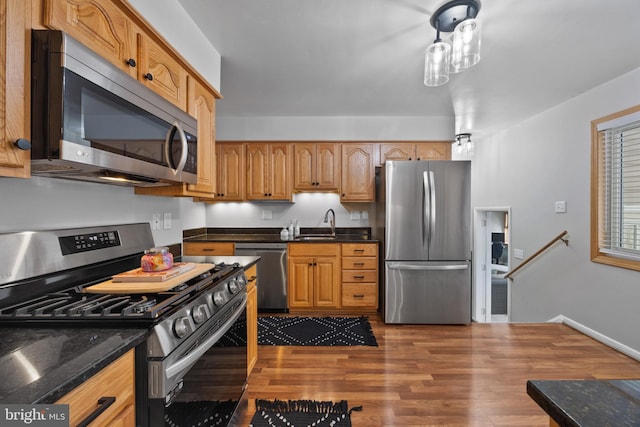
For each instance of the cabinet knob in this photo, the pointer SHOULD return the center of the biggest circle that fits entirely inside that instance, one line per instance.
(23, 144)
(131, 62)
(148, 76)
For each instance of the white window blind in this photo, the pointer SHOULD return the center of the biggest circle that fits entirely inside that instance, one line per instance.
(620, 188)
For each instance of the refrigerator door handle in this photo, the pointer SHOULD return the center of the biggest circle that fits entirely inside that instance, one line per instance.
(408, 266)
(432, 205)
(426, 209)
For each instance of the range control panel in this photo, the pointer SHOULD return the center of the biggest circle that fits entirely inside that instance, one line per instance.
(88, 242)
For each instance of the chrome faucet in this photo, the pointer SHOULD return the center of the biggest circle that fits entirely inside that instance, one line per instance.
(332, 224)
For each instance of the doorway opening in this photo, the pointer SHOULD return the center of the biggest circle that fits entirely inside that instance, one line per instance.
(491, 258)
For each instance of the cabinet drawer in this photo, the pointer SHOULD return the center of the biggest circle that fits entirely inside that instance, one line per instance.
(359, 249)
(360, 295)
(356, 263)
(314, 249)
(359, 276)
(116, 380)
(206, 248)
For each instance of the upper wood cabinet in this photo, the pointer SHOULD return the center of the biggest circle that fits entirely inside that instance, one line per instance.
(268, 171)
(15, 42)
(358, 173)
(100, 25)
(230, 172)
(414, 151)
(316, 167)
(160, 72)
(106, 29)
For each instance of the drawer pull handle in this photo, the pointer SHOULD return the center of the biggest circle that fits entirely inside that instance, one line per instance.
(104, 403)
(358, 295)
(358, 250)
(208, 250)
(358, 263)
(358, 277)
(252, 279)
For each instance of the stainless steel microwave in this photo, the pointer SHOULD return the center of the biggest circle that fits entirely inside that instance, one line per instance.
(91, 121)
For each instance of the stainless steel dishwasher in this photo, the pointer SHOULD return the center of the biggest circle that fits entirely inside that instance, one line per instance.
(272, 274)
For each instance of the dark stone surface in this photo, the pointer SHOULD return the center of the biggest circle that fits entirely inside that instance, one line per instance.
(272, 235)
(588, 403)
(40, 365)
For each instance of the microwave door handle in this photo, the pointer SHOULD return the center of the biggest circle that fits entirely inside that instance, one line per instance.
(167, 148)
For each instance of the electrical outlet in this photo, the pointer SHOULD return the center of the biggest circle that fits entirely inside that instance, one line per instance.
(155, 222)
(518, 253)
(167, 220)
(267, 214)
(355, 215)
(365, 215)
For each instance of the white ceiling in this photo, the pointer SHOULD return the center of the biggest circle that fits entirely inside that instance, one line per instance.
(366, 57)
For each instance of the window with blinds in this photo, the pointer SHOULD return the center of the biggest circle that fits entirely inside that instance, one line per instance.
(615, 195)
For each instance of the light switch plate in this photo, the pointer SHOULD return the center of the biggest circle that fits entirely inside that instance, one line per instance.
(267, 214)
(167, 220)
(355, 215)
(518, 253)
(561, 206)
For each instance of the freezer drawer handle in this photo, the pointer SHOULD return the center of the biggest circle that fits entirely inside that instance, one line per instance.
(428, 267)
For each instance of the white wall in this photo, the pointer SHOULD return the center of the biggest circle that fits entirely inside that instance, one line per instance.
(528, 167)
(46, 203)
(308, 209)
(334, 128)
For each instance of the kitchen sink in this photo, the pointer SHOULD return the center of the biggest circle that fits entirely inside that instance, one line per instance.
(315, 237)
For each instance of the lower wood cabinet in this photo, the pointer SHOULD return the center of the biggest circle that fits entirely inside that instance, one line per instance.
(113, 389)
(252, 317)
(314, 275)
(208, 248)
(360, 275)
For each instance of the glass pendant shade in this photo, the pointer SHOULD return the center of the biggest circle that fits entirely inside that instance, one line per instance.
(436, 64)
(465, 40)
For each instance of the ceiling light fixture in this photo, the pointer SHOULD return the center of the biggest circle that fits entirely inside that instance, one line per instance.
(468, 145)
(462, 51)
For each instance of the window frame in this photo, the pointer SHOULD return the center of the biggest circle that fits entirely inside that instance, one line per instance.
(597, 196)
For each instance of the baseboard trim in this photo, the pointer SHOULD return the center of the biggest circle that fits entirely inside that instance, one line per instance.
(634, 354)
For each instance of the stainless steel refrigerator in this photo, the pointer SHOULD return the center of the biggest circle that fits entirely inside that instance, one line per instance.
(424, 222)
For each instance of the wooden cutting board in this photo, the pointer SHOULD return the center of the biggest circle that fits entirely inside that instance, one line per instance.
(111, 287)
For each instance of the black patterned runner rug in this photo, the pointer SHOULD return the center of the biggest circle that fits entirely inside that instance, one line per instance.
(301, 413)
(315, 331)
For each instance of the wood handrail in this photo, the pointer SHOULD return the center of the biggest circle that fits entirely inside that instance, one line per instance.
(542, 249)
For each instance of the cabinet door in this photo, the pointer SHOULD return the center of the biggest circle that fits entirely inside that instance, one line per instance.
(433, 151)
(14, 91)
(160, 72)
(304, 167)
(257, 159)
(328, 167)
(301, 278)
(202, 106)
(326, 282)
(358, 174)
(230, 172)
(98, 24)
(252, 318)
(397, 151)
(279, 183)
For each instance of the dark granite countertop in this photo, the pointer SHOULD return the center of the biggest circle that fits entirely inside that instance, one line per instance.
(272, 235)
(588, 403)
(40, 365)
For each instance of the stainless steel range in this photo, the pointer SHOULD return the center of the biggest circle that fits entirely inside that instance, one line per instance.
(198, 321)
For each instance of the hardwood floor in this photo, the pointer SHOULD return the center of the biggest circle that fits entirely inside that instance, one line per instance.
(424, 375)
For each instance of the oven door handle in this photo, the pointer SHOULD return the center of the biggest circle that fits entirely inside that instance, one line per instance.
(194, 355)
